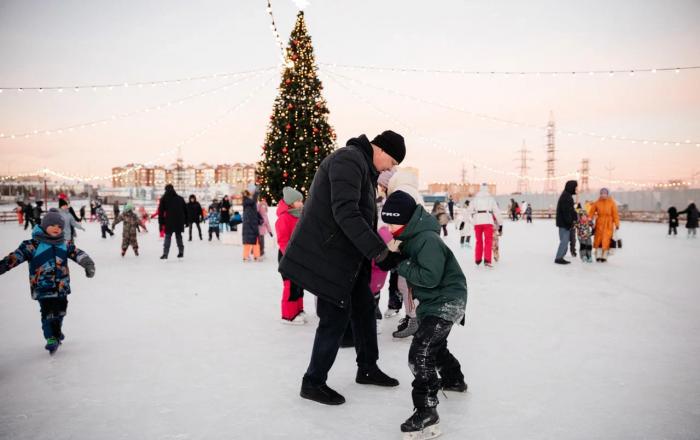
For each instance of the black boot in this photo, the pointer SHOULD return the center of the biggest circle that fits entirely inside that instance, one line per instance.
(164, 257)
(424, 420)
(321, 394)
(374, 376)
(181, 253)
(561, 261)
(456, 385)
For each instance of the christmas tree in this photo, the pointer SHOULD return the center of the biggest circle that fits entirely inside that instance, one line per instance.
(299, 136)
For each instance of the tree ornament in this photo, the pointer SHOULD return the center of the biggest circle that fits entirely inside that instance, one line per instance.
(288, 127)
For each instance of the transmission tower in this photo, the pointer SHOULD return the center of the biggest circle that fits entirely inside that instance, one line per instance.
(523, 181)
(179, 172)
(550, 185)
(585, 170)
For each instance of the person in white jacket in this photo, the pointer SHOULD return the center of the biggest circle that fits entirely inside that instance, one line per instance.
(483, 211)
(464, 225)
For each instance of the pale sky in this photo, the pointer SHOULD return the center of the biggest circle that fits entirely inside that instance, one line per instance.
(44, 43)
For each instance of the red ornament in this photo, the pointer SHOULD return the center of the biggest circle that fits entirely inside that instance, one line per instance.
(316, 149)
(285, 174)
(288, 127)
(288, 81)
(315, 130)
(264, 147)
(290, 106)
(272, 117)
(284, 150)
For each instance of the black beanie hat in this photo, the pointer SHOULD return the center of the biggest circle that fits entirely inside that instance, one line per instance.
(62, 203)
(392, 143)
(398, 208)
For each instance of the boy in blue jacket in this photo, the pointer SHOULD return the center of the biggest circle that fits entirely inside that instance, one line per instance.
(47, 254)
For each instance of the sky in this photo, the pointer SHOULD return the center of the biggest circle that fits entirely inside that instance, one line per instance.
(51, 43)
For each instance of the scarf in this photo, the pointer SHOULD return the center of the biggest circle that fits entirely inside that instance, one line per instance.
(295, 212)
(43, 237)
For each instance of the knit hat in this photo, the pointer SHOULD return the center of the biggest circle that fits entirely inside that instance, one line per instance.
(53, 218)
(385, 177)
(62, 203)
(398, 208)
(128, 207)
(290, 195)
(605, 190)
(392, 143)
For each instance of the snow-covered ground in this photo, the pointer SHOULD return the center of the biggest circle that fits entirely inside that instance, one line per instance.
(193, 349)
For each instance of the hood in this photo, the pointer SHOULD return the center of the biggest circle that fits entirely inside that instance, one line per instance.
(282, 208)
(570, 187)
(421, 221)
(402, 178)
(41, 236)
(365, 146)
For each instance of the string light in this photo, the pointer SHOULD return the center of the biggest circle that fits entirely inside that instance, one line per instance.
(115, 117)
(186, 141)
(278, 39)
(510, 73)
(503, 121)
(139, 84)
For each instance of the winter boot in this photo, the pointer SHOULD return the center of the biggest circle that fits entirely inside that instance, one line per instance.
(456, 385)
(561, 261)
(163, 257)
(181, 254)
(321, 394)
(407, 327)
(374, 376)
(423, 424)
(52, 345)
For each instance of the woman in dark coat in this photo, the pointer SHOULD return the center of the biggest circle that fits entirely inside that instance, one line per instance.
(225, 213)
(194, 215)
(172, 212)
(672, 220)
(691, 220)
(251, 226)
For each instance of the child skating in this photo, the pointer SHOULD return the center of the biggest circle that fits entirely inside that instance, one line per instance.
(288, 212)
(132, 226)
(213, 220)
(437, 281)
(47, 254)
(584, 230)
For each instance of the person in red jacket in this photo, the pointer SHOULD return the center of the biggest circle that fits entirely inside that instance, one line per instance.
(288, 212)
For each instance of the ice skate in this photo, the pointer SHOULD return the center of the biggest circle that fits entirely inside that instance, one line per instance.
(407, 327)
(52, 345)
(390, 313)
(422, 425)
(298, 320)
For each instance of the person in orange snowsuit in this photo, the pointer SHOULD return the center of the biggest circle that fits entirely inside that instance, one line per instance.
(604, 212)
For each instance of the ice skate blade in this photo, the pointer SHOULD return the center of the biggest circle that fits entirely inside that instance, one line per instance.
(425, 434)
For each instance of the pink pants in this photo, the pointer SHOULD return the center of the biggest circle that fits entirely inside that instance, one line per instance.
(290, 309)
(484, 243)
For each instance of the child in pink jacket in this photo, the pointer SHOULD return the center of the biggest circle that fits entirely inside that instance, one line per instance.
(378, 277)
(288, 212)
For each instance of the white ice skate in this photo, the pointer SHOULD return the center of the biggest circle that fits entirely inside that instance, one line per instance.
(298, 320)
(424, 434)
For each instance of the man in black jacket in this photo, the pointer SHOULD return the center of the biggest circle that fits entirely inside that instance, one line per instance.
(329, 255)
(172, 212)
(566, 217)
(194, 215)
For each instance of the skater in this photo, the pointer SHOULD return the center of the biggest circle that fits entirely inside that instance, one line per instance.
(38, 211)
(82, 213)
(604, 213)
(69, 221)
(47, 254)
(495, 244)
(465, 226)
(93, 211)
(565, 220)
(251, 225)
(115, 208)
(691, 222)
(528, 213)
(225, 214)
(672, 220)
(236, 220)
(194, 216)
(103, 219)
(584, 230)
(19, 210)
(451, 208)
(407, 182)
(483, 210)
(329, 255)
(130, 230)
(213, 220)
(29, 216)
(441, 216)
(288, 213)
(172, 212)
(264, 227)
(439, 284)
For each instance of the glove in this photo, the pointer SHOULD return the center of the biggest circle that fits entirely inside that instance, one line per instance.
(89, 266)
(388, 260)
(272, 235)
(500, 230)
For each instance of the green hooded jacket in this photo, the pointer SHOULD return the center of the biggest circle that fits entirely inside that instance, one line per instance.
(432, 270)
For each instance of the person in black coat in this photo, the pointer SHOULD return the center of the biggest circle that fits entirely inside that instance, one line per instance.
(251, 225)
(225, 214)
(28, 215)
(566, 217)
(692, 219)
(330, 253)
(194, 215)
(37, 212)
(672, 220)
(172, 212)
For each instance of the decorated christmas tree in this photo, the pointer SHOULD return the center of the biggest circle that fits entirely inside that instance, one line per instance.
(299, 136)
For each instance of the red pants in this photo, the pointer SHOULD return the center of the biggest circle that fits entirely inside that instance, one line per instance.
(290, 309)
(484, 243)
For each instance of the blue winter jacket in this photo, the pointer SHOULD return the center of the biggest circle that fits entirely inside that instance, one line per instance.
(49, 276)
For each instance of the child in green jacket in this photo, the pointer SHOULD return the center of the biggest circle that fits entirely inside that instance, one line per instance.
(436, 280)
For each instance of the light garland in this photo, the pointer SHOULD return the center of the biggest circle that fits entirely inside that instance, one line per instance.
(182, 143)
(132, 85)
(515, 73)
(278, 39)
(118, 116)
(508, 122)
(409, 128)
